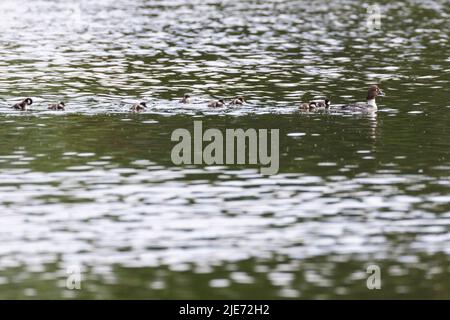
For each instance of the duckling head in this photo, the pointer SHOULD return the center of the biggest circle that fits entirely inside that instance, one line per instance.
(240, 99)
(28, 101)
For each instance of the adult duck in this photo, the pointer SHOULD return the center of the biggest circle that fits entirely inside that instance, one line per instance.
(368, 106)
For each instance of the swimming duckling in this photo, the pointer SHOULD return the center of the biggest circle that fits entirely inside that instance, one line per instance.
(304, 106)
(320, 103)
(23, 106)
(237, 101)
(315, 104)
(57, 106)
(186, 99)
(138, 107)
(216, 104)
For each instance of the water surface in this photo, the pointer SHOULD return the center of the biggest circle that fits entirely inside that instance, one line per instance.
(95, 187)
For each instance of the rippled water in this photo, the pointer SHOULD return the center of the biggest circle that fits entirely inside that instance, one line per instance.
(94, 186)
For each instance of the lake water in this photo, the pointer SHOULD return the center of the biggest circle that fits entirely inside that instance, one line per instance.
(94, 187)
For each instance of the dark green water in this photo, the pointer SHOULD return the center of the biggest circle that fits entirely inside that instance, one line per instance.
(95, 187)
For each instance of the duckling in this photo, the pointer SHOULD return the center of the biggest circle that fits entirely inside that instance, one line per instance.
(238, 100)
(305, 106)
(308, 106)
(186, 99)
(216, 104)
(314, 104)
(321, 103)
(57, 106)
(138, 107)
(23, 106)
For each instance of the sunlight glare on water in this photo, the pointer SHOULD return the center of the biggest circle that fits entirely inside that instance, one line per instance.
(95, 186)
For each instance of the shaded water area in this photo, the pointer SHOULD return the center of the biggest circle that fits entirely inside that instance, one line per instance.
(94, 186)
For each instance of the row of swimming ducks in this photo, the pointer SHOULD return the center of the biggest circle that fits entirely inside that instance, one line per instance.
(312, 105)
(370, 104)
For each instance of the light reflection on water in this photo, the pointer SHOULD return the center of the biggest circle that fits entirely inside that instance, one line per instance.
(95, 185)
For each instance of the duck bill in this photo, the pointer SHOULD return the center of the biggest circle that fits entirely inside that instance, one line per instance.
(381, 94)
